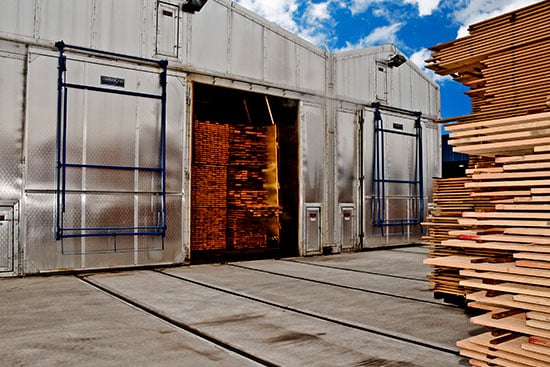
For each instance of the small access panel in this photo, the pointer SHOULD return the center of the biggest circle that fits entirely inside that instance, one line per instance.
(312, 230)
(8, 235)
(347, 225)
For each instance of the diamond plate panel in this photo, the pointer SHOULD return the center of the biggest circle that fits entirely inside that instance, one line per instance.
(41, 122)
(11, 105)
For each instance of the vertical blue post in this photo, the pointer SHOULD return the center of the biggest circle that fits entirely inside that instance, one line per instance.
(60, 70)
(163, 83)
(420, 162)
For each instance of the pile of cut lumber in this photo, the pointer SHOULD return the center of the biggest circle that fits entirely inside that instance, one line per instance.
(496, 242)
(231, 206)
(512, 284)
(209, 185)
(504, 61)
(450, 199)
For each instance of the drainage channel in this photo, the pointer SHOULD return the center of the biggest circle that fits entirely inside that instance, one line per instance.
(177, 324)
(369, 329)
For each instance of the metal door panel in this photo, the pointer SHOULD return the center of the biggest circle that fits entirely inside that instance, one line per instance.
(346, 162)
(313, 152)
(167, 29)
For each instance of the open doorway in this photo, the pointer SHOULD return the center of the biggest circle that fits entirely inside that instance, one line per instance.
(244, 180)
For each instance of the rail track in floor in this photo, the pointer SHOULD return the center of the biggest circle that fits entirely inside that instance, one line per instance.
(372, 330)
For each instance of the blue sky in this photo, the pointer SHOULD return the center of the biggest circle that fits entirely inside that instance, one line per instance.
(412, 25)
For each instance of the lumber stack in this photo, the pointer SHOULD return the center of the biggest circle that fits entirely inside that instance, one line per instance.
(450, 199)
(502, 233)
(232, 207)
(513, 283)
(209, 185)
(245, 182)
(503, 62)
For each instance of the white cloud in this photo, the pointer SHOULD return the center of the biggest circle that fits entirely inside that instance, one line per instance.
(360, 6)
(380, 35)
(311, 25)
(281, 12)
(479, 10)
(425, 7)
(418, 59)
(318, 12)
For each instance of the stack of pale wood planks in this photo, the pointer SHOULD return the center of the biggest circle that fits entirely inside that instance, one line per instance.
(491, 229)
(503, 61)
(450, 199)
(512, 284)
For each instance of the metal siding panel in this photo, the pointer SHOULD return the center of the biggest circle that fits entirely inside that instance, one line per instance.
(312, 70)
(280, 59)
(12, 81)
(313, 147)
(401, 91)
(209, 38)
(176, 143)
(421, 88)
(41, 122)
(247, 51)
(42, 252)
(70, 21)
(346, 157)
(174, 251)
(118, 26)
(431, 133)
(17, 17)
(355, 78)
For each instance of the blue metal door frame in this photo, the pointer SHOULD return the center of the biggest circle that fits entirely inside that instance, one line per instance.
(62, 164)
(379, 178)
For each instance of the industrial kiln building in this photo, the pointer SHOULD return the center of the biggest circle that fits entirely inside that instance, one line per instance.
(134, 133)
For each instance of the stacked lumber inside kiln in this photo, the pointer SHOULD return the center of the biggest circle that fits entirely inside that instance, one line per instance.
(232, 206)
(502, 250)
(209, 186)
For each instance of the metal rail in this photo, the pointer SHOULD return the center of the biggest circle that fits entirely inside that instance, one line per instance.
(366, 328)
(178, 324)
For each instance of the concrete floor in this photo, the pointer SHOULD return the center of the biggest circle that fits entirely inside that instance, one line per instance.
(362, 309)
